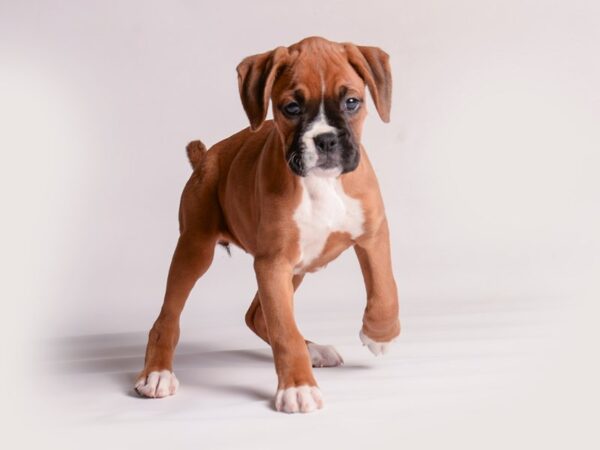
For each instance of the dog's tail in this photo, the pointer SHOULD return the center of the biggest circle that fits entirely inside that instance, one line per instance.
(196, 152)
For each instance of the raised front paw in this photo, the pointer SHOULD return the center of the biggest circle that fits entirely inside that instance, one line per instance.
(157, 384)
(377, 348)
(295, 399)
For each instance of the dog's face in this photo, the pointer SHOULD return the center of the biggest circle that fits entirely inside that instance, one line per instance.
(317, 90)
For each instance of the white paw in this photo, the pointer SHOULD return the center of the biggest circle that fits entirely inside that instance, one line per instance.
(157, 384)
(298, 399)
(324, 355)
(377, 348)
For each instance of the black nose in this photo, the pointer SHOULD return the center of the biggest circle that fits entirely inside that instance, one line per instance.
(326, 142)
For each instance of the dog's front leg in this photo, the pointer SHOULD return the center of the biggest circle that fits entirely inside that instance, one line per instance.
(297, 389)
(380, 320)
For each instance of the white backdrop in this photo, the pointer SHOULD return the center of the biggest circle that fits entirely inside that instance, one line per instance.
(489, 170)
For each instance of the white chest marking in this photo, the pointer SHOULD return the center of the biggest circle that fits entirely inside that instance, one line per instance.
(324, 209)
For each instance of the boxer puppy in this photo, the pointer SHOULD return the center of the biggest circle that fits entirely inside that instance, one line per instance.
(294, 192)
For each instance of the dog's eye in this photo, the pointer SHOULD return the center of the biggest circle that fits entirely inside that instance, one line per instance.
(351, 104)
(292, 109)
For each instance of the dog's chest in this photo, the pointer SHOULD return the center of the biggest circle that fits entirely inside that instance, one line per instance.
(324, 208)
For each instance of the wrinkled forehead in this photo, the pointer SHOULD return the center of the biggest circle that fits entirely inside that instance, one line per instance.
(314, 75)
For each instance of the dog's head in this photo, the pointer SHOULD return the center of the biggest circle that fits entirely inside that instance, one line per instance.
(317, 88)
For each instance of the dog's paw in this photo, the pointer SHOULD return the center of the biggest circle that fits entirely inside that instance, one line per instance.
(302, 399)
(157, 384)
(377, 348)
(324, 355)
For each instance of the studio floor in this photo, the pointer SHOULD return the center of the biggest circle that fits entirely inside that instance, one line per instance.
(463, 373)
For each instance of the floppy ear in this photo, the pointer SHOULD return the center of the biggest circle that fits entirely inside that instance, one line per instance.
(373, 66)
(256, 75)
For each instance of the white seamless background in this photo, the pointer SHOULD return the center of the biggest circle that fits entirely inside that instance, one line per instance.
(489, 170)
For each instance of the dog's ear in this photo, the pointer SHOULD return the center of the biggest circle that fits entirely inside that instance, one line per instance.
(373, 66)
(256, 75)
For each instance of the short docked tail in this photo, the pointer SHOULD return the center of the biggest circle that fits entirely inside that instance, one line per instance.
(196, 152)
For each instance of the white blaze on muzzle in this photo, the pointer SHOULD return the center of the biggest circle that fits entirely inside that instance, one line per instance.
(319, 125)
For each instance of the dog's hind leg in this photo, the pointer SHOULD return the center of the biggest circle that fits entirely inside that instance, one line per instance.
(199, 218)
(320, 355)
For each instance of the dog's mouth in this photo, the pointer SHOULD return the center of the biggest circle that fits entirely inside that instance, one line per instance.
(303, 163)
(328, 165)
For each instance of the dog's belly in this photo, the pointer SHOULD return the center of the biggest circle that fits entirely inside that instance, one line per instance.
(328, 221)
